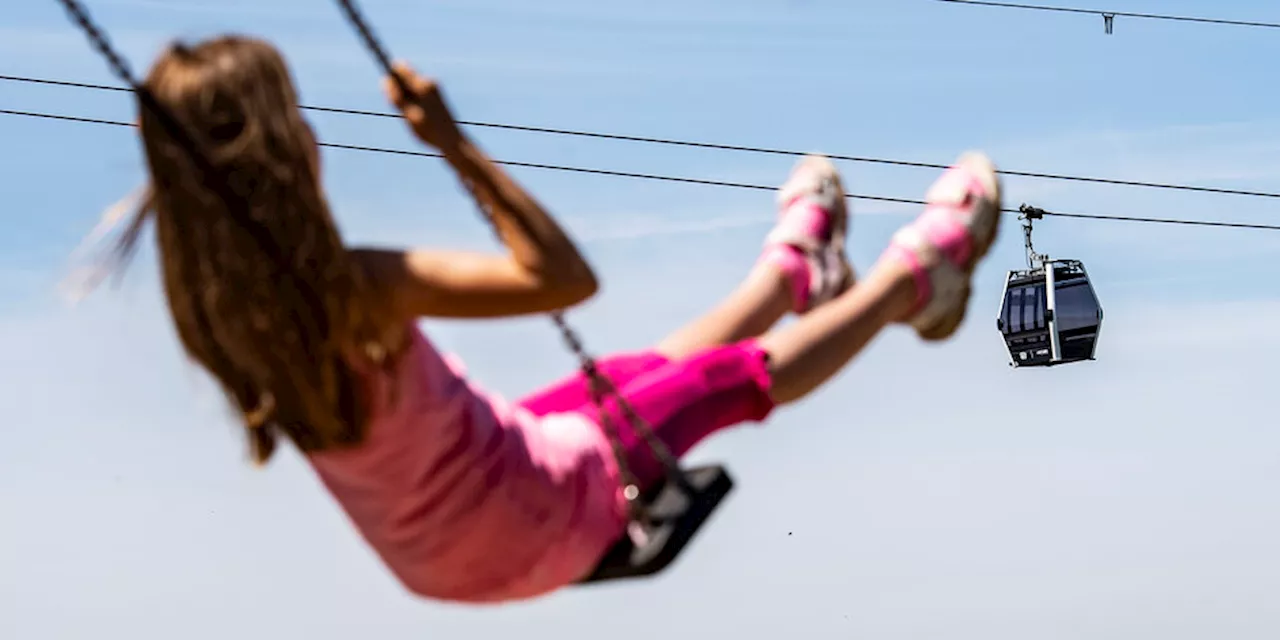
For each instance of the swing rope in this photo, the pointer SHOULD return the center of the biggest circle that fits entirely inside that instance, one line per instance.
(599, 385)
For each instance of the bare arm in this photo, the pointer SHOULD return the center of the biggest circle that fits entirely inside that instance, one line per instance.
(537, 243)
(543, 270)
(462, 284)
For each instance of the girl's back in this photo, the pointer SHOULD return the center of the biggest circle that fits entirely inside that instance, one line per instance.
(462, 496)
(314, 342)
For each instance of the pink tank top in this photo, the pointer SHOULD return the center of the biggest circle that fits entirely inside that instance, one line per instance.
(469, 498)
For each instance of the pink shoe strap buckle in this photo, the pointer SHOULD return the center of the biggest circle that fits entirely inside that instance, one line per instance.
(802, 216)
(940, 226)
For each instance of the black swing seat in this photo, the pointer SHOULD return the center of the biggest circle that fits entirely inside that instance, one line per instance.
(674, 518)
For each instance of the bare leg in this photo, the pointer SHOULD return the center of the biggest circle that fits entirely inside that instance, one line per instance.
(806, 354)
(929, 264)
(803, 267)
(752, 309)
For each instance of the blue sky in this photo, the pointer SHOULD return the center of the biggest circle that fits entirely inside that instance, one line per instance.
(927, 492)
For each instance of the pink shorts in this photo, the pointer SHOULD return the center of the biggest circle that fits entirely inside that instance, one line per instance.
(682, 401)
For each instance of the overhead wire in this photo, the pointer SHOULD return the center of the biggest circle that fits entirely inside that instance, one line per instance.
(1117, 14)
(682, 179)
(713, 145)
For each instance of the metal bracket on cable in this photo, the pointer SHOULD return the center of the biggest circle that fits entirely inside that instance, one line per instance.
(1029, 215)
(1108, 22)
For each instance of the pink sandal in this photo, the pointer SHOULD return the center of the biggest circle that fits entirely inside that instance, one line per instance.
(808, 241)
(944, 245)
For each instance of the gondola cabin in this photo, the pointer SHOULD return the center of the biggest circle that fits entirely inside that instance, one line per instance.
(1050, 315)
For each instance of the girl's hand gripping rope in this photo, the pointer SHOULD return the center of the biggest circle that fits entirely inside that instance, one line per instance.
(424, 108)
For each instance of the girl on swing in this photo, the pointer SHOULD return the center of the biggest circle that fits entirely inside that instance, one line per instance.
(468, 497)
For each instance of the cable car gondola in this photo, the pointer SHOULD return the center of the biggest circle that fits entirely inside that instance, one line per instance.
(1049, 314)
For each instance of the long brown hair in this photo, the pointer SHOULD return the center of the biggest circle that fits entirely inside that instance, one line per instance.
(278, 332)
